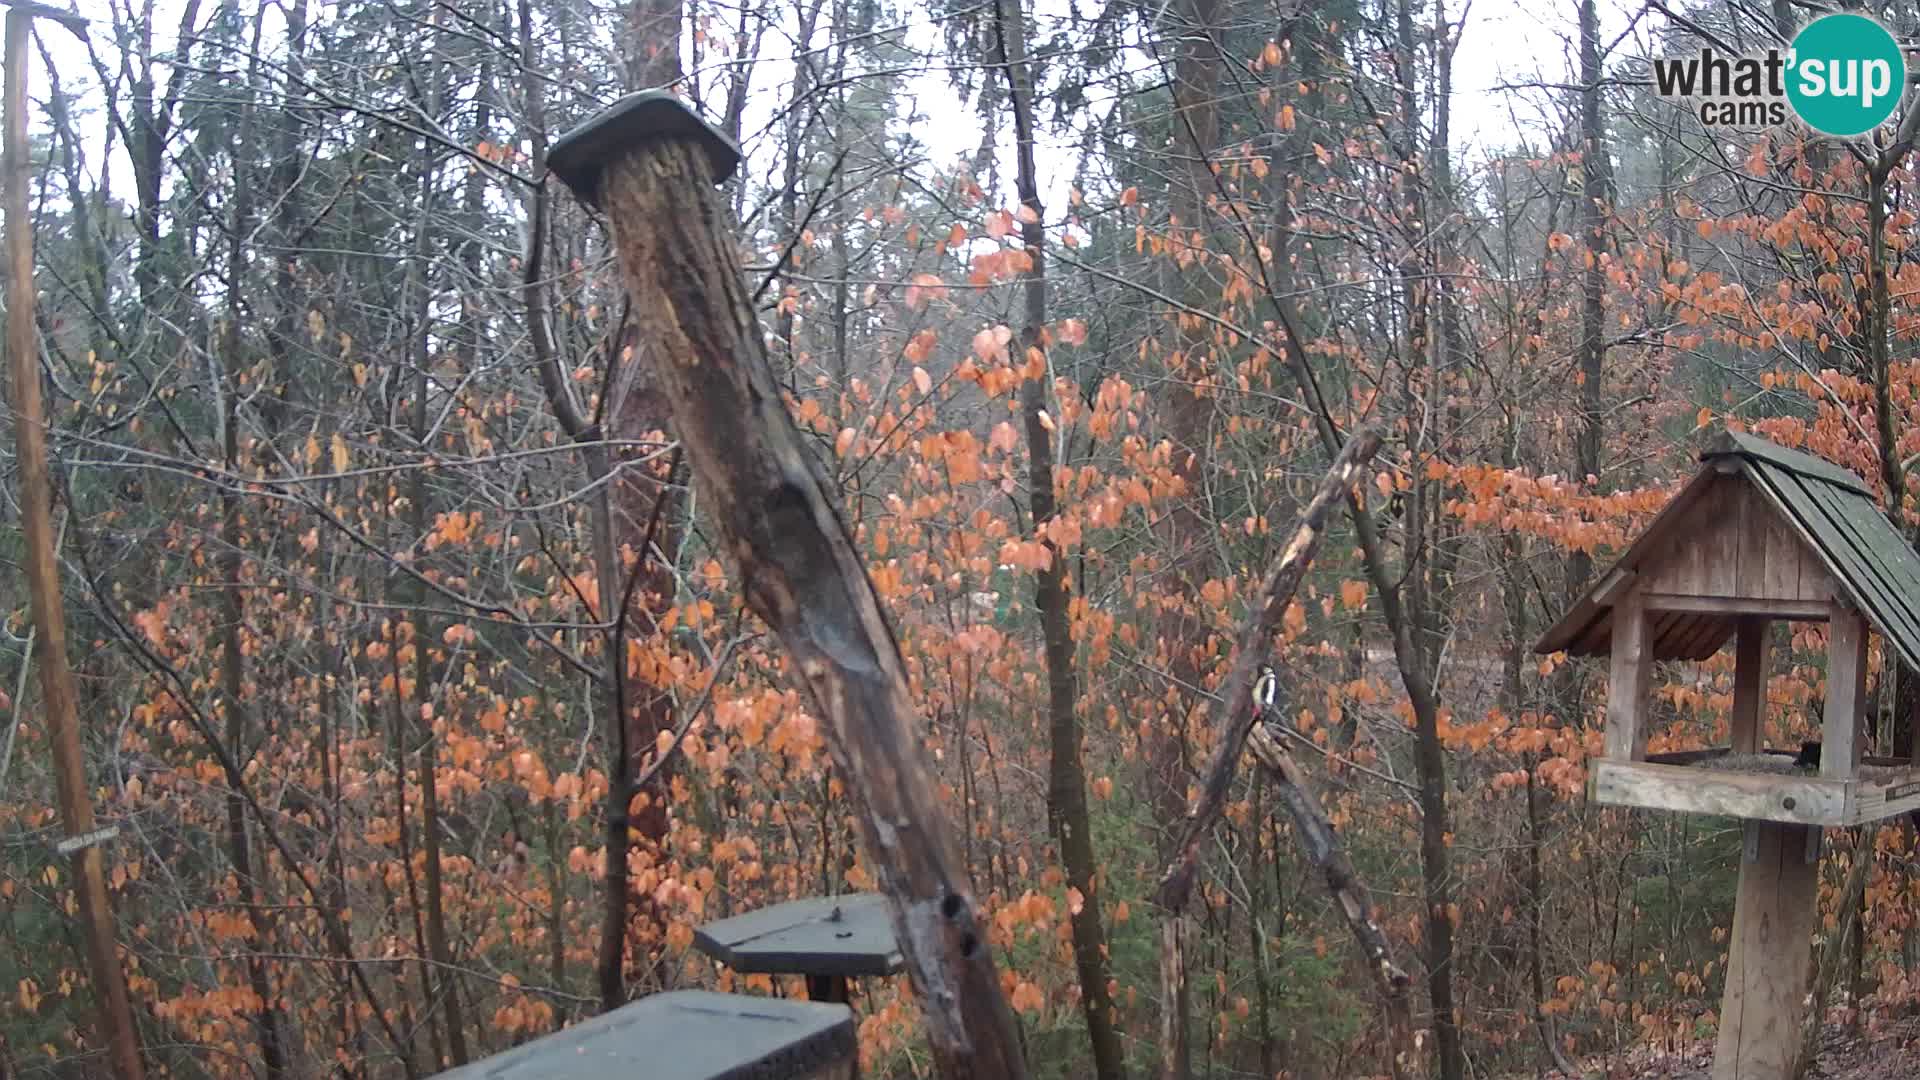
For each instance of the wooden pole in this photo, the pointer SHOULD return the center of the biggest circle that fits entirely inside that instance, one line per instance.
(1765, 1002)
(1842, 729)
(652, 165)
(1632, 662)
(43, 575)
(1749, 720)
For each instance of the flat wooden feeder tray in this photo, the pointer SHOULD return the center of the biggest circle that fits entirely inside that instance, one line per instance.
(687, 1035)
(1760, 534)
(1722, 782)
(829, 939)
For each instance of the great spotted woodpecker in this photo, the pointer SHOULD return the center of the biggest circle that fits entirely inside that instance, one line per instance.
(1266, 689)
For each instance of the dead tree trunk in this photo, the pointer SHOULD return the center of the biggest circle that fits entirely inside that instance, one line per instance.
(1323, 849)
(1232, 713)
(652, 165)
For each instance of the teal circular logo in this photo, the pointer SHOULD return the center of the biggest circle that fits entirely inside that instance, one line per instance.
(1845, 74)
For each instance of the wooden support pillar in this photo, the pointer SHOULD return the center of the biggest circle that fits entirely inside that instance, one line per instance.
(1632, 663)
(1749, 684)
(1842, 731)
(1769, 961)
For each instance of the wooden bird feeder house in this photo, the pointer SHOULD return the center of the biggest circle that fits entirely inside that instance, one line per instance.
(1760, 534)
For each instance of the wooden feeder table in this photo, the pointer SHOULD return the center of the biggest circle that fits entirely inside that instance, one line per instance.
(828, 939)
(687, 1035)
(1762, 533)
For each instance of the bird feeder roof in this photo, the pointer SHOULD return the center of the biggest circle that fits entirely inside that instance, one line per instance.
(684, 1035)
(824, 935)
(1756, 501)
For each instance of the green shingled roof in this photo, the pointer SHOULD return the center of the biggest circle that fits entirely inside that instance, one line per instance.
(1834, 513)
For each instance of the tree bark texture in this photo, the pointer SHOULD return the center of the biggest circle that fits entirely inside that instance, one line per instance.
(800, 572)
(58, 700)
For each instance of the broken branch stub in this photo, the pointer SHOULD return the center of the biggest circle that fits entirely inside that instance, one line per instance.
(651, 166)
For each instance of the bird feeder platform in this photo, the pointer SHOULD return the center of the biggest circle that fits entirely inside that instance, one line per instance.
(687, 1035)
(828, 939)
(1760, 534)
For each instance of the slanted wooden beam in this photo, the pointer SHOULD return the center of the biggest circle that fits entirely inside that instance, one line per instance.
(1842, 737)
(1613, 586)
(651, 165)
(1632, 664)
(1749, 684)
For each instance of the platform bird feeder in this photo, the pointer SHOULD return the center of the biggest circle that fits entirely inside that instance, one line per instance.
(1761, 534)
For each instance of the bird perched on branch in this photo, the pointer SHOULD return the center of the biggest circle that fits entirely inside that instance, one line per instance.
(1266, 689)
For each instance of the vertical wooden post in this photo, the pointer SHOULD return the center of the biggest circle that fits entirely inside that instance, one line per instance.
(1841, 735)
(1768, 963)
(43, 574)
(1749, 684)
(1632, 664)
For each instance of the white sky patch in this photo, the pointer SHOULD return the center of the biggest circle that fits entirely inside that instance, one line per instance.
(1512, 79)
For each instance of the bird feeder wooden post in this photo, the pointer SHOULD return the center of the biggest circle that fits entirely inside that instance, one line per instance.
(1762, 534)
(651, 165)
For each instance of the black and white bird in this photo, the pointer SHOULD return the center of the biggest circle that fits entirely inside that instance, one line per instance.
(1266, 689)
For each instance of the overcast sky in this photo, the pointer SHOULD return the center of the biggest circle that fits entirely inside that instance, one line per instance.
(1508, 46)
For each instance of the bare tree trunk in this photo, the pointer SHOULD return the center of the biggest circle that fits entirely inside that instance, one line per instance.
(1066, 776)
(43, 578)
(239, 727)
(1596, 203)
(1186, 416)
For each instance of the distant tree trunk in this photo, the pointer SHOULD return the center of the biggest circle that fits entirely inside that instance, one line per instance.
(1066, 776)
(1186, 415)
(443, 1002)
(239, 726)
(640, 507)
(1596, 204)
(1414, 613)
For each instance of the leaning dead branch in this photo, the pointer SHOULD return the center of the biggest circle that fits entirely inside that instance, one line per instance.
(1232, 714)
(1322, 846)
(652, 166)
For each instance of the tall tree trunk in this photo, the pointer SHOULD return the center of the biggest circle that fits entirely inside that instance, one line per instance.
(1596, 204)
(1186, 416)
(443, 1000)
(239, 727)
(640, 507)
(1066, 776)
